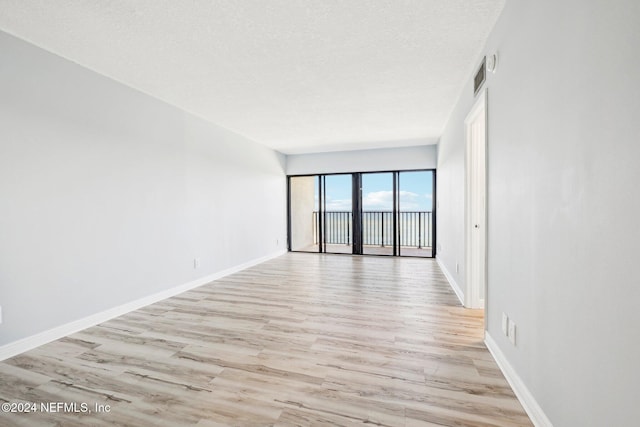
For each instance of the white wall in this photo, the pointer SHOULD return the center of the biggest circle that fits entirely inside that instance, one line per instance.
(401, 158)
(563, 205)
(107, 195)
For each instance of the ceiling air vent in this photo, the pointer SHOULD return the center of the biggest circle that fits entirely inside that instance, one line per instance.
(480, 76)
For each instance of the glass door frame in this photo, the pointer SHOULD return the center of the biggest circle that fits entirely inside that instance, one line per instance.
(356, 208)
(359, 215)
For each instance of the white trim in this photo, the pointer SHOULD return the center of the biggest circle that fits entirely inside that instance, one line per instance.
(33, 341)
(529, 403)
(454, 285)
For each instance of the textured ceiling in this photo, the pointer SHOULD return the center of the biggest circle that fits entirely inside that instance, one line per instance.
(295, 75)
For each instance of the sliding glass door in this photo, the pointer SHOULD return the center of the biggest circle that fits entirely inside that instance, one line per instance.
(304, 203)
(369, 213)
(337, 213)
(415, 213)
(379, 228)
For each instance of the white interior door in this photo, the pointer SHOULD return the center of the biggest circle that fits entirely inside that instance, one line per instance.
(476, 230)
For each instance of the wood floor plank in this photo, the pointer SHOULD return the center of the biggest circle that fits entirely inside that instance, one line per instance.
(301, 340)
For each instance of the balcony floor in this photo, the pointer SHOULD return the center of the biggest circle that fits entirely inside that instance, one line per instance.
(372, 250)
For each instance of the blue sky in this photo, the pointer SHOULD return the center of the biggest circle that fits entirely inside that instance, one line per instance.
(377, 191)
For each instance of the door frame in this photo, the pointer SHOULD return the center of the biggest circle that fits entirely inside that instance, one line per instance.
(476, 263)
(357, 208)
(395, 242)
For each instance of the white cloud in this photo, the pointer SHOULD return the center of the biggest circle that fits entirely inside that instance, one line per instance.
(338, 204)
(378, 201)
(410, 201)
(383, 201)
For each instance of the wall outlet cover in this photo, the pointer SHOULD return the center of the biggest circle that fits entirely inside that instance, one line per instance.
(512, 332)
(505, 324)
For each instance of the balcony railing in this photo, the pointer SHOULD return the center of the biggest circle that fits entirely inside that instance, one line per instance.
(414, 228)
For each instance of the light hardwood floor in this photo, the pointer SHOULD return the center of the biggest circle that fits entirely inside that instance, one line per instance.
(304, 339)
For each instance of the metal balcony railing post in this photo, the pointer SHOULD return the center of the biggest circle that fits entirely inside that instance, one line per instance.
(419, 230)
(382, 228)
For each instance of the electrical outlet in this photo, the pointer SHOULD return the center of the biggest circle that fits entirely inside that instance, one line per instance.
(196, 263)
(505, 324)
(512, 332)
(457, 267)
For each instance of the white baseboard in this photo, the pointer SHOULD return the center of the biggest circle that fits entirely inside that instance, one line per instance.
(31, 342)
(452, 282)
(529, 403)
